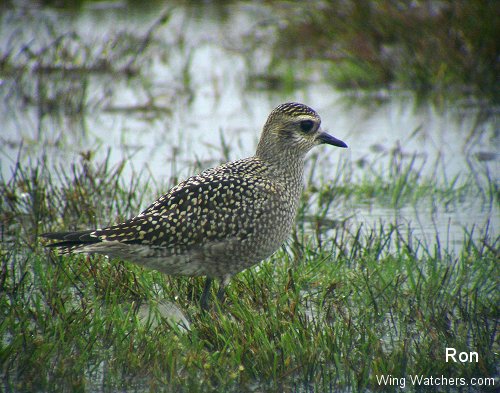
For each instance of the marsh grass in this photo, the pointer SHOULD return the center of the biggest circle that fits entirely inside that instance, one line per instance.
(339, 304)
(394, 182)
(81, 195)
(440, 49)
(323, 313)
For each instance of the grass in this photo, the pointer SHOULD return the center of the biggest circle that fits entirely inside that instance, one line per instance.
(320, 315)
(339, 305)
(394, 182)
(440, 49)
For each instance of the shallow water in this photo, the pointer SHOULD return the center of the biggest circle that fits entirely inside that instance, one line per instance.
(193, 91)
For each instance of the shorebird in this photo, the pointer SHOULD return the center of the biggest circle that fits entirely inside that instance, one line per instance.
(223, 220)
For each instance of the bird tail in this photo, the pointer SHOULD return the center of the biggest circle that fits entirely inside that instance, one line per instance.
(71, 241)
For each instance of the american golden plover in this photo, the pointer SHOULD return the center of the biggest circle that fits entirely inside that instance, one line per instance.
(223, 220)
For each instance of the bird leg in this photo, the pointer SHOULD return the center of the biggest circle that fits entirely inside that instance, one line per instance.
(224, 282)
(205, 295)
(221, 292)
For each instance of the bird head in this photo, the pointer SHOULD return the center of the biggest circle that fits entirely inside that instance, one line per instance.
(295, 129)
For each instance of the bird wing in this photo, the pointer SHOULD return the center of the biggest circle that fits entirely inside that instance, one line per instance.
(207, 208)
(210, 207)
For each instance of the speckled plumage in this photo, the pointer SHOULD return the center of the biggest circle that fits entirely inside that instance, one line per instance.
(223, 220)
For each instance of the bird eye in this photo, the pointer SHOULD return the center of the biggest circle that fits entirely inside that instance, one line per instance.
(306, 125)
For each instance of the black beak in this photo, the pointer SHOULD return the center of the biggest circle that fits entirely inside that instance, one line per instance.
(330, 140)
